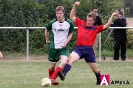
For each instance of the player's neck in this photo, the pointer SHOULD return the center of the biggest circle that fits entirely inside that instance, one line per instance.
(90, 25)
(61, 20)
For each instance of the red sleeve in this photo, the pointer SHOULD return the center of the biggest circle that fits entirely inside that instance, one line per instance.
(77, 21)
(100, 28)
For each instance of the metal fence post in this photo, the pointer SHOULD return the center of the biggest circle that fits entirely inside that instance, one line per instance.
(100, 46)
(27, 43)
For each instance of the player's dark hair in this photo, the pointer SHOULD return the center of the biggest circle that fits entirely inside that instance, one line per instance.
(94, 8)
(58, 8)
(121, 13)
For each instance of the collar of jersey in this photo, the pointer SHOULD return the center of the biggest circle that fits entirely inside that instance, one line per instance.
(60, 22)
(89, 28)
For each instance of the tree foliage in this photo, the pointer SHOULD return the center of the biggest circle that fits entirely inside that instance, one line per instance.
(129, 8)
(29, 13)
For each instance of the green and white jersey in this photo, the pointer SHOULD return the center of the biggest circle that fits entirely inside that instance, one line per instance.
(59, 32)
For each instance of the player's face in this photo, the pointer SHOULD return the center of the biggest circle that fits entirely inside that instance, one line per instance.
(119, 16)
(60, 15)
(94, 11)
(90, 21)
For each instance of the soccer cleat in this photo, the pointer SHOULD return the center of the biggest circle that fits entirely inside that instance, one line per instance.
(54, 82)
(61, 75)
(98, 82)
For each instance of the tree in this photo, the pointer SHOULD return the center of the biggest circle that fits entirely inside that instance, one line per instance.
(30, 13)
(129, 7)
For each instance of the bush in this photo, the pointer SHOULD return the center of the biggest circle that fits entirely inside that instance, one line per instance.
(29, 13)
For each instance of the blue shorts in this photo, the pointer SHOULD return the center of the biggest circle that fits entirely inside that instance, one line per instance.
(86, 52)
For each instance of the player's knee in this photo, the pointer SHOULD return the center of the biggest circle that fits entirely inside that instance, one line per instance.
(64, 63)
(73, 58)
(52, 66)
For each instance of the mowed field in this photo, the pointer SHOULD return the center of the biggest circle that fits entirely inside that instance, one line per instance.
(22, 73)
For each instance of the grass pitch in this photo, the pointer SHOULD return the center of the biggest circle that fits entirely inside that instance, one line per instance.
(28, 74)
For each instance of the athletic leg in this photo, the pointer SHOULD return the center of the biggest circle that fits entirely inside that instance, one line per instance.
(96, 71)
(51, 71)
(53, 58)
(91, 60)
(60, 67)
(51, 68)
(64, 54)
(73, 58)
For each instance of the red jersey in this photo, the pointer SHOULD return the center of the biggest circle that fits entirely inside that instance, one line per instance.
(86, 35)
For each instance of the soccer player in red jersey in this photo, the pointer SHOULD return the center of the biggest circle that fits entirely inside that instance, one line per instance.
(85, 40)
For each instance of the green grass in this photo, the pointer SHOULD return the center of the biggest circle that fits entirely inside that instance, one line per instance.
(110, 53)
(28, 74)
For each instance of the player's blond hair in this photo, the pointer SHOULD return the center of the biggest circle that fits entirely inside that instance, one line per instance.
(91, 16)
(58, 8)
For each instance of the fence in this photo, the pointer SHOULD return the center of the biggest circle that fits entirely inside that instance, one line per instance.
(27, 36)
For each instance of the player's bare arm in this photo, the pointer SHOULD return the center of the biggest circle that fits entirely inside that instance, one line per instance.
(107, 25)
(73, 11)
(68, 39)
(1, 55)
(47, 36)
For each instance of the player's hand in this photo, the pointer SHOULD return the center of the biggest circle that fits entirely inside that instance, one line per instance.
(63, 46)
(77, 3)
(48, 42)
(115, 13)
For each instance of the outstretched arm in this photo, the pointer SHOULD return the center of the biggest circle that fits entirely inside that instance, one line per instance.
(73, 11)
(107, 25)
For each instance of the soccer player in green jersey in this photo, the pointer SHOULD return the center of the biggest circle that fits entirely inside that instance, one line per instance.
(60, 31)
